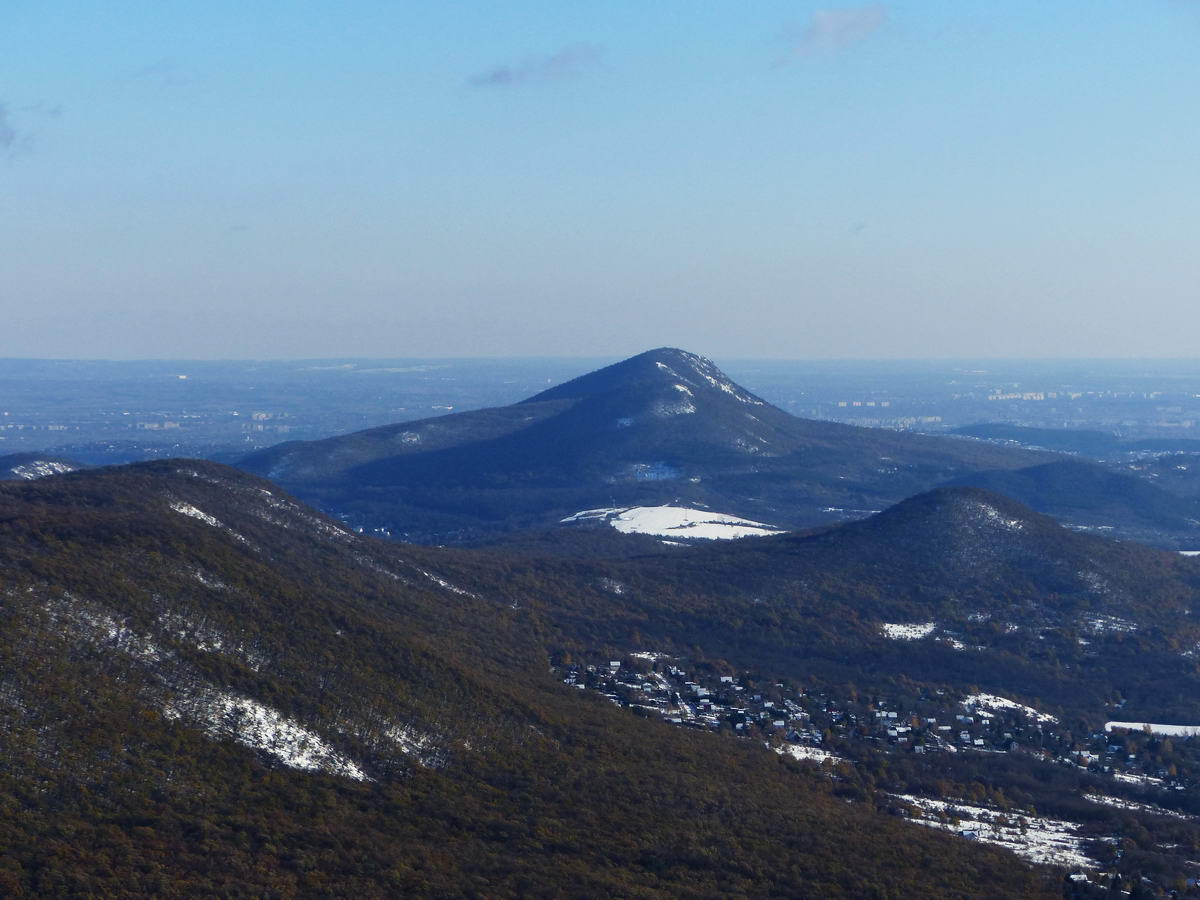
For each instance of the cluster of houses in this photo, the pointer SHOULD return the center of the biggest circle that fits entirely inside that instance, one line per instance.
(807, 721)
(656, 685)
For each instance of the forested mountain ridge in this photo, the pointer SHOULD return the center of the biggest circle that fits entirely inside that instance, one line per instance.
(663, 427)
(1008, 600)
(206, 687)
(1094, 497)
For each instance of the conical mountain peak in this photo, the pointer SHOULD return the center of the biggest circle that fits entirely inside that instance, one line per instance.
(666, 368)
(665, 427)
(958, 509)
(952, 520)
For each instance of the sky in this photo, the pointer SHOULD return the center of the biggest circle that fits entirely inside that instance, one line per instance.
(756, 179)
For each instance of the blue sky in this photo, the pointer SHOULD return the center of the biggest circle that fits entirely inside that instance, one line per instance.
(797, 180)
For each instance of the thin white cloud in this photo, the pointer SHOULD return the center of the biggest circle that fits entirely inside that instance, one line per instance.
(8, 134)
(570, 62)
(163, 71)
(829, 30)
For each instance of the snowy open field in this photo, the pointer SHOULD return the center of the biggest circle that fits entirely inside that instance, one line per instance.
(1165, 730)
(675, 522)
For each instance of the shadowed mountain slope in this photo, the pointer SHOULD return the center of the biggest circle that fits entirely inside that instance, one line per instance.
(1092, 496)
(664, 427)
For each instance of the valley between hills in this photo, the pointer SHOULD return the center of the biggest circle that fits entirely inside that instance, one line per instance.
(605, 642)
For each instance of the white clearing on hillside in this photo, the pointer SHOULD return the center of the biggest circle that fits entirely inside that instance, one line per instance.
(1190, 552)
(1047, 841)
(674, 522)
(991, 701)
(911, 632)
(1166, 730)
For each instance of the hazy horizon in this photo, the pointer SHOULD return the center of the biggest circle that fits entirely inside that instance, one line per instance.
(602, 359)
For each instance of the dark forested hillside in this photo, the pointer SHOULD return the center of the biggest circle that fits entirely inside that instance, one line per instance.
(206, 688)
(663, 427)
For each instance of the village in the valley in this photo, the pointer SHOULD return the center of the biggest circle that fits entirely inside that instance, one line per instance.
(839, 729)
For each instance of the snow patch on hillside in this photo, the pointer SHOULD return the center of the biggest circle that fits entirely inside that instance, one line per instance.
(1121, 803)
(186, 509)
(996, 517)
(443, 583)
(206, 639)
(907, 632)
(297, 511)
(815, 754)
(99, 627)
(253, 724)
(187, 696)
(420, 746)
(1040, 840)
(666, 410)
(41, 468)
(1107, 624)
(674, 522)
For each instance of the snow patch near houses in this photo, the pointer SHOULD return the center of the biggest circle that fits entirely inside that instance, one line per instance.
(1140, 780)
(1165, 730)
(1121, 803)
(993, 702)
(815, 754)
(1040, 840)
(674, 522)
